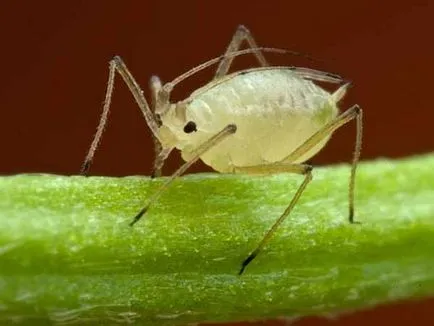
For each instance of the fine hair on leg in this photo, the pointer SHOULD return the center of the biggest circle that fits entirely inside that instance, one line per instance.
(117, 65)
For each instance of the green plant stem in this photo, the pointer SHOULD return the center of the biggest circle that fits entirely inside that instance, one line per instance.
(68, 255)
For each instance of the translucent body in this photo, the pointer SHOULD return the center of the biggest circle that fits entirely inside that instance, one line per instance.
(275, 111)
(248, 122)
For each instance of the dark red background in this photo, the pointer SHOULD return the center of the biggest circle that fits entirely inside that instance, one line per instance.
(55, 55)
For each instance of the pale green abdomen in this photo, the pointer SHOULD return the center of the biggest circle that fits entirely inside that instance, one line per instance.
(275, 112)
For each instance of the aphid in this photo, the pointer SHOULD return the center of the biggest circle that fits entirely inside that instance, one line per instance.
(261, 120)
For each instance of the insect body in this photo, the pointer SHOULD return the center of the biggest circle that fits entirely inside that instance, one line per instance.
(275, 111)
(260, 120)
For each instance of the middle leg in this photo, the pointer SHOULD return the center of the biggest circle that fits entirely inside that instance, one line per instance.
(303, 169)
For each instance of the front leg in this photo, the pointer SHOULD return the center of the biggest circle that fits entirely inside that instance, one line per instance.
(117, 65)
(196, 154)
(160, 157)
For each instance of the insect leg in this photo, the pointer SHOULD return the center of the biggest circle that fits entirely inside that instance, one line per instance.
(116, 64)
(159, 104)
(303, 169)
(197, 153)
(355, 112)
(240, 35)
(161, 155)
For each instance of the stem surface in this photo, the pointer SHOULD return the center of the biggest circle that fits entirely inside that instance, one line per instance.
(68, 256)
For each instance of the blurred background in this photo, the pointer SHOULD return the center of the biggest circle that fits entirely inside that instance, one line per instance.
(55, 58)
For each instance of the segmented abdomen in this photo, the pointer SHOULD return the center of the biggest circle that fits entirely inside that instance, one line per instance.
(275, 111)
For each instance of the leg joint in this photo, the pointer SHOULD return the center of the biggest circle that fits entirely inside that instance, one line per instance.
(357, 109)
(243, 28)
(232, 128)
(307, 169)
(117, 60)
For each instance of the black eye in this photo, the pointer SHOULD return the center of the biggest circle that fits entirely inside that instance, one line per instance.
(190, 127)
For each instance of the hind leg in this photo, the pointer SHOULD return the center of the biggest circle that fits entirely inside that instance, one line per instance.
(242, 34)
